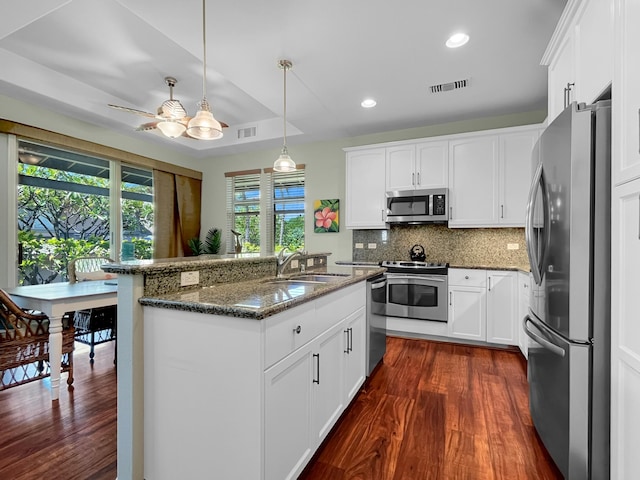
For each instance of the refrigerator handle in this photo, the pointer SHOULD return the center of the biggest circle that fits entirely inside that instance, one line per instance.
(535, 262)
(538, 339)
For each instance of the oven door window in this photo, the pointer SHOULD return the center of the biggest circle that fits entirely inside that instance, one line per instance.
(413, 294)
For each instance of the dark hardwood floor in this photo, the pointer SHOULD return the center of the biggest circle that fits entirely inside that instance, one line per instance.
(431, 411)
(72, 439)
(437, 411)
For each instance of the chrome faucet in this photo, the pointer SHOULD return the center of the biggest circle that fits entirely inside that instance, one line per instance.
(284, 261)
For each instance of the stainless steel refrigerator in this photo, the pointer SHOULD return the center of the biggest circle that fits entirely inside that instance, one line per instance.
(568, 241)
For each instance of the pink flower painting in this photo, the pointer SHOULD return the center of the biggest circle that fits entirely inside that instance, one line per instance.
(326, 216)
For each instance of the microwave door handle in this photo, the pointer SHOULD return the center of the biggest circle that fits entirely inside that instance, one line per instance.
(534, 260)
(430, 205)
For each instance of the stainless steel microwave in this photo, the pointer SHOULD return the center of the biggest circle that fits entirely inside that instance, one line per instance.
(418, 206)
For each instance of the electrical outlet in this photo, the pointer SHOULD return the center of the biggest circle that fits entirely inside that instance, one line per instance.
(189, 278)
(295, 264)
(359, 245)
(513, 246)
(309, 262)
(372, 246)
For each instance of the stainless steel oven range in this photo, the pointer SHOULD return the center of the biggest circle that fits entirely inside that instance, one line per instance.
(416, 290)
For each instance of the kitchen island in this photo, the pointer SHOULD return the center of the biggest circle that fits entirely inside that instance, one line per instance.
(233, 379)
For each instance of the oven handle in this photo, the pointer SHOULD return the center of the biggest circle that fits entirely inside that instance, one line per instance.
(439, 278)
(381, 284)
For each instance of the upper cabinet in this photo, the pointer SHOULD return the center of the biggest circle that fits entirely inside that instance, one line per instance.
(473, 173)
(489, 178)
(365, 189)
(488, 175)
(417, 166)
(580, 54)
(515, 175)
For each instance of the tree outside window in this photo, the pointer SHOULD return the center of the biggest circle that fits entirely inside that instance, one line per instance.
(63, 210)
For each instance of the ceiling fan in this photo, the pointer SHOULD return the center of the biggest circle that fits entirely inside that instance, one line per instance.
(171, 117)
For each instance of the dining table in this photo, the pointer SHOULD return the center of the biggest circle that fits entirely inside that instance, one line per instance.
(55, 299)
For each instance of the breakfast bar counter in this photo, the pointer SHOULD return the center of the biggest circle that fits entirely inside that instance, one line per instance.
(187, 330)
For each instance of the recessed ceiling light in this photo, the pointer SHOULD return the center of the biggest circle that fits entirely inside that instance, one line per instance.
(368, 103)
(457, 40)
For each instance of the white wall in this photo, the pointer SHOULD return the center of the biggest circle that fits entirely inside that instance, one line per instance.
(325, 169)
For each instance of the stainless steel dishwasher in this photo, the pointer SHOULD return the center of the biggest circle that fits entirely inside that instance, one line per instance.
(376, 321)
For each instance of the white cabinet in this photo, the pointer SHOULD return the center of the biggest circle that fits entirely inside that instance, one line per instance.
(524, 291)
(288, 438)
(489, 178)
(473, 181)
(483, 305)
(502, 307)
(355, 354)
(417, 166)
(401, 168)
(365, 203)
(580, 54)
(255, 397)
(625, 330)
(625, 244)
(326, 373)
(467, 304)
(626, 98)
(515, 175)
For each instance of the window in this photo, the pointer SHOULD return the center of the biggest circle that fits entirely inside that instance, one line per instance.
(243, 207)
(266, 210)
(65, 211)
(288, 210)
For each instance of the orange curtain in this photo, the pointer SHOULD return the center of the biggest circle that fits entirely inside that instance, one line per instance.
(177, 201)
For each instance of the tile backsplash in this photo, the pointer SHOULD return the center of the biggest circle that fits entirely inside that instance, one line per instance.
(492, 247)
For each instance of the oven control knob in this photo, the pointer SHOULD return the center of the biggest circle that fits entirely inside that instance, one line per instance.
(466, 277)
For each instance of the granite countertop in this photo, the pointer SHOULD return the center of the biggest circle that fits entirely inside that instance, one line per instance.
(516, 268)
(260, 298)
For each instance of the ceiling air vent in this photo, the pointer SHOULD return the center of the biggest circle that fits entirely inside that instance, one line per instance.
(247, 132)
(446, 87)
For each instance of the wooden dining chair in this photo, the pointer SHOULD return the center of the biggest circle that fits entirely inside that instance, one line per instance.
(24, 345)
(95, 325)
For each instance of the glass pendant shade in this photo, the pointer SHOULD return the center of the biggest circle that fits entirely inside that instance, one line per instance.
(284, 163)
(171, 128)
(204, 126)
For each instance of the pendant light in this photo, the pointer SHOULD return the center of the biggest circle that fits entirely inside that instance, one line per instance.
(204, 126)
(284, 163)
(170, 125)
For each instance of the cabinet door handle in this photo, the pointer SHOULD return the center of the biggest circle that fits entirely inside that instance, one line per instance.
(418, 174)
(347, 346)
(450, 213)
(450, 298)
(501, 211)
(350, 339)
(317, 357)
(297, 330)
(567, 94)
(413, 179)
(489, 283)
(382, 214)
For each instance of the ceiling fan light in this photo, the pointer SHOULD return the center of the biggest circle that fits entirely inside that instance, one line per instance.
(171, 128)
(284, 163)
(204, 126)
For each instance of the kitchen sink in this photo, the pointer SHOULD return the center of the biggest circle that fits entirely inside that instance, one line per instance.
(309, 278)
(320, 277)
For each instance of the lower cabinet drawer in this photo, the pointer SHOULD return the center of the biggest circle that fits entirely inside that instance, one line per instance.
(287, 331)
(468, 277)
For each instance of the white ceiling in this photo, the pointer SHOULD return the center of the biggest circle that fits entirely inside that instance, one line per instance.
(77, 56)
